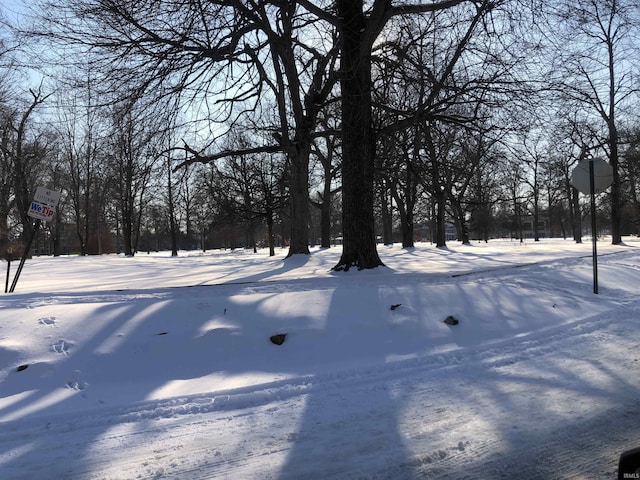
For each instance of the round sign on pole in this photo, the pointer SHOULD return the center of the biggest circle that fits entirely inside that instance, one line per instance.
(590, 177)
(602, 176)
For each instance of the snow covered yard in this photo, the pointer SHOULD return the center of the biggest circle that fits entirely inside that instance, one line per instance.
(160, 367)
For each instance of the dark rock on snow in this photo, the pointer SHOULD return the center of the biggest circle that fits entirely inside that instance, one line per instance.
(278, 339)
(451, 321)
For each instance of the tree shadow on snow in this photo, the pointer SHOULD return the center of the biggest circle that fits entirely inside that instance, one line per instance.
(166, 336)
(354, 415)
(325, 446)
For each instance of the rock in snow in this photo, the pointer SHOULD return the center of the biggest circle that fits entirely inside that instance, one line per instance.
(279, 338)
(450, 320)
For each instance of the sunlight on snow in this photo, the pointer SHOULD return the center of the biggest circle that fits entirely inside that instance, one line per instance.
(16, 452)
(56, 396)
(7, 402)
(219, 381)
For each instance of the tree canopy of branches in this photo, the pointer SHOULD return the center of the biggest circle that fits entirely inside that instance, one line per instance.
(596, 57)
(417, 119)
(237, 58)
(231, 64)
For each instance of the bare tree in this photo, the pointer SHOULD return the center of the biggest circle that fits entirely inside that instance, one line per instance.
(485, 193)
(472, 156)
(7, 199)
(134, 144)
(171, 205)
(360, 28)
(512, 180)
(596, 63)
(422, 68)
(327, 151)
(231, 59)
(630, 166)
(25, 156)
(271, 192)
(399, 155)
(529, 148)
(81, 141)
(233, 63)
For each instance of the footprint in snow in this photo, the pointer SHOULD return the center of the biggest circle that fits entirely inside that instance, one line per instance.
(75, 382)
(50, 321)
(62, 346)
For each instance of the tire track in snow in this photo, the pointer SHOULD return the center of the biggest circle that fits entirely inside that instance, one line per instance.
(171, 419)
(491, 355)
(576, 447)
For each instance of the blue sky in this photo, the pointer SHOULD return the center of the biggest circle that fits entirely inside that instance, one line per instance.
(10, 8)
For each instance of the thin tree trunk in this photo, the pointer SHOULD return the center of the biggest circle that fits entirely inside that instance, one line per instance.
(387, 214)
(325, 211)
(172, 222)
(272, 250)
(577, 216)
(441, 228)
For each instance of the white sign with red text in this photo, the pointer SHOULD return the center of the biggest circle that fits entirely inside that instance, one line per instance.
(44, 204)
(41, 211)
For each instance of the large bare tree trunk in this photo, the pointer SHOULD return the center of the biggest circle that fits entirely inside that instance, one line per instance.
(358, 145)
(299, 179)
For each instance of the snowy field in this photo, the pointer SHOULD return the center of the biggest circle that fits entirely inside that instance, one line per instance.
(160, 367)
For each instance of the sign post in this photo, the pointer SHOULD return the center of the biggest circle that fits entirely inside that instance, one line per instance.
(6, 282)
(42, 209)
(593, 227)
(590, 177)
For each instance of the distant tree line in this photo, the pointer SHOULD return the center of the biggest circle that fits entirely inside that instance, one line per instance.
(196, 124)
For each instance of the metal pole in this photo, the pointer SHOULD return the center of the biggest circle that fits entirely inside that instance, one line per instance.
(593, 227)
(6, 282)
(25, 255)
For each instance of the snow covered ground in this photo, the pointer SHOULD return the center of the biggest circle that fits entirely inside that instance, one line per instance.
(160, 367)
